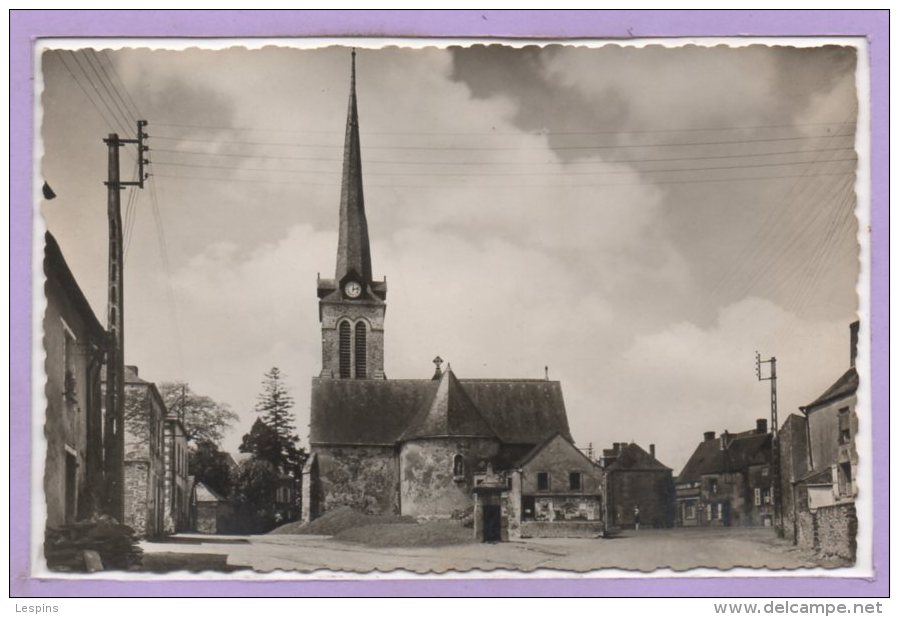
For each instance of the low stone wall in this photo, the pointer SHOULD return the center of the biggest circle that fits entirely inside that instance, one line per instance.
(829, 530)
(561, 529)
(837, 528)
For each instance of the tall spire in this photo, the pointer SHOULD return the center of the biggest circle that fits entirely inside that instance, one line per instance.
(353, 252)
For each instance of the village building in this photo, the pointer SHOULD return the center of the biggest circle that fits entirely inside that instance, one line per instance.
(210, 512)
(403, 446)
(560, 490)
(74, 342)
(637, 486)
(176, 496)
(145, 414)
(728, 481)
(823, 484)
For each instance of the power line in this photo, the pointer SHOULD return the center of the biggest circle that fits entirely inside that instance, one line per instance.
(103, 116)
(502, 186)
(537, 133)
(103, 82)
(498, 174)
(502, 148)
(134, 106)
(499, 163)
(99, 95)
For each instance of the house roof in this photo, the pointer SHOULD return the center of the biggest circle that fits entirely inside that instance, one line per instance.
(527, 458)
(56, 268)
(204, 493)
(745, 449)
(450, 411)
(376, 411)
(846, 385)
(634, 458)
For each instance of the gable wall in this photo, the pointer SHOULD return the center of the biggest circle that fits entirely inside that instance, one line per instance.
(559, 458)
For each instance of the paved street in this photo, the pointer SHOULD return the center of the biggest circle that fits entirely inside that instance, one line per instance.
(647, 550)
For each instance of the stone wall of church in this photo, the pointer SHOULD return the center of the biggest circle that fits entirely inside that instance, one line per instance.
(432, 484)
(361, 477)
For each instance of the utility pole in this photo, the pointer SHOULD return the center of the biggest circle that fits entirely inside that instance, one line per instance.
(775, 442)
(114, 434)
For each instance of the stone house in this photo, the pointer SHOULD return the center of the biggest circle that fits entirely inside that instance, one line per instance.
(402, 446)
(176, 495)
(74, 343)
(728, 481)
(634, 478)
(210, 512)
(145, 414)
(559, 489)
(824, 482)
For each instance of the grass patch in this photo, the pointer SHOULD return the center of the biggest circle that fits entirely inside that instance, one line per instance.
(335, 521)
(431, 533)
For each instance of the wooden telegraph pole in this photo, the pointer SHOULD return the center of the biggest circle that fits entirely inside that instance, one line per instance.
(775, 442)
(113, 429)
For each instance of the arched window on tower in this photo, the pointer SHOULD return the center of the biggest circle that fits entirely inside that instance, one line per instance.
(344, 351)
(361, 351)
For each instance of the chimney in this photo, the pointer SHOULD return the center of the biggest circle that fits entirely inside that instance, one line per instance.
(652, 450)
(761, 426)
(725, 440)
(853, 342)
(132, 368)
(708, 436)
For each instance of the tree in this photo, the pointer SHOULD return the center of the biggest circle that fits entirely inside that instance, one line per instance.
(255, 483)
(262, 443)
(211, 466)
(204, 419)
(275, 406)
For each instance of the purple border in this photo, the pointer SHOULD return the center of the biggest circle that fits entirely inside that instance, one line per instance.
(26, 25)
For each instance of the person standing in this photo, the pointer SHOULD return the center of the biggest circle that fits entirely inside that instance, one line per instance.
(636, 517)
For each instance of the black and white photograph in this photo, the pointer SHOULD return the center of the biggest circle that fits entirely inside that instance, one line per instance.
(627, 328)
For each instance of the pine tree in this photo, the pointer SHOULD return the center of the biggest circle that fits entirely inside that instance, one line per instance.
(275, 406)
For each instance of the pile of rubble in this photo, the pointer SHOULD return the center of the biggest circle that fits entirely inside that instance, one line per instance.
(95, 544)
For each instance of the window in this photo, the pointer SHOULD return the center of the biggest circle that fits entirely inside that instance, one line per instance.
(845, 430)
(844, 476)
(690, 510)
(714, 511)
(574, 481)
(766, 495)
(361, 353)
(758, 497)
(458, 466)
(542, 481)
(713, 485)
(344, 342)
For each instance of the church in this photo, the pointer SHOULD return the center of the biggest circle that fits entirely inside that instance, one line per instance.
(415, 447)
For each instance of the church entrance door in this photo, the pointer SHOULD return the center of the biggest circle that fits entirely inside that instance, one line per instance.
(492, 523)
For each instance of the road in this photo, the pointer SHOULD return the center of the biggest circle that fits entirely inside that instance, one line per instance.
(679, 549)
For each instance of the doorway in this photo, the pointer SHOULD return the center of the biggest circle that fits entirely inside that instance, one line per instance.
(492, 524)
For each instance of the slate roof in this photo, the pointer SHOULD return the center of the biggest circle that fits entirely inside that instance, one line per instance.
(846, 385)
(376, 411)
(745, 449)
(449, 412)
(540, 446)
(634, 458)
(55, 267)
(206, 494)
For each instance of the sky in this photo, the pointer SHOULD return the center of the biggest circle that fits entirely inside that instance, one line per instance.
(640, 220)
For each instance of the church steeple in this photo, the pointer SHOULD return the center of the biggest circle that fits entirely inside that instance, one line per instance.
(351, 306)
(353, 251)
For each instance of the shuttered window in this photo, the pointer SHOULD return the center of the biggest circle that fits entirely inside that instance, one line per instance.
(344, 333)
(361, 351)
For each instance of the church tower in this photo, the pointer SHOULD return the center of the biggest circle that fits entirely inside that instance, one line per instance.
(352, 304)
